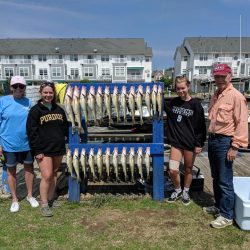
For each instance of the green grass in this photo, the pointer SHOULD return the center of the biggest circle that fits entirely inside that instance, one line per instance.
(110, 222)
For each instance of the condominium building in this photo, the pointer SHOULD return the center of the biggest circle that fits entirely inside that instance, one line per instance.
(197, 56)
(66, 59)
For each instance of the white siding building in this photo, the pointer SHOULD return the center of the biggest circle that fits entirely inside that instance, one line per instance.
(60, 59)
(197, 56)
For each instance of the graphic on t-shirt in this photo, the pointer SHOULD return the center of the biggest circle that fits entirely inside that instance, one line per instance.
(179, 118)
(182, 111)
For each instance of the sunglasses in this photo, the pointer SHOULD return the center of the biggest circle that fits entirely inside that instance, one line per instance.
(50, 84)
(20, 86)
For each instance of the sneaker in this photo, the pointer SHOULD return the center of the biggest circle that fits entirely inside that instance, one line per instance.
(54, 204)
(221, 222)
(174, 197)
(212, 210)
(46, 212)
(185, 198)
(32, 201)
(14, 207)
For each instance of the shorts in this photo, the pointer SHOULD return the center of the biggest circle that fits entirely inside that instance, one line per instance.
(12, 158)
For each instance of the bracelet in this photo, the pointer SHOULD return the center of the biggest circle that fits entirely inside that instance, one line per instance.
(234, 148)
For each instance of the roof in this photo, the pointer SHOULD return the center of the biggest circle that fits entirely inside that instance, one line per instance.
(132, 46)
(218, 44)
(181, 50)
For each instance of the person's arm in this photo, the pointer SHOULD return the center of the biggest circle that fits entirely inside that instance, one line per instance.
(33, 131)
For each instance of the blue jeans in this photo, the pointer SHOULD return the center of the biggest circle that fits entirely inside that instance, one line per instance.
(222, 174)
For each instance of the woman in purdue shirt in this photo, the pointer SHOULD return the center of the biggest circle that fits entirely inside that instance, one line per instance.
(47, 129)
(186, 133)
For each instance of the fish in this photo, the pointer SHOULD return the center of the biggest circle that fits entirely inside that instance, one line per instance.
(76, 108)
(124, 162)
(107, 163)
(138, 99)
(148, 99)
(92, 103)
(116, 104)
(99, 161)
(107, 102)
(131, 102)
(91, 162)
(83, 162)
(69, 161)
(68, 107)
(124, 103)
(154, 99)
(115, 162)
(132, 163)
(147, 158)
(159, 100)
(99, 102)
(84, 104)
(76, 164)
(140, 161)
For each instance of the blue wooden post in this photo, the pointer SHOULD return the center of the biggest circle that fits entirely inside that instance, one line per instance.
(158, 162)
(74, 190)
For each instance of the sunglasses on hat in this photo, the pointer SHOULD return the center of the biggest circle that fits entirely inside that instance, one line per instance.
(20, 86)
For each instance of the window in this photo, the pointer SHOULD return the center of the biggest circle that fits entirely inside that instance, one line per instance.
(184, 72)
(74, 58)
(88, 71)
(8, 71)
(203, 57)
(216, 55)
(105, 71)
(27, 57)
(56, 71)
(105, 58)
(90, 57)
(147, 59)
(74, 72)
(43, 72)
(235, 69)
(42, 58)
(246, 55)
(119, 71)
(135, 59)
(202, 69)
(185, 58)
(248, 71)
(236, 58)
(24, 71)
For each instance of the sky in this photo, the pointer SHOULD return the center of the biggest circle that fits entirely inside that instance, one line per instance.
(162, 23)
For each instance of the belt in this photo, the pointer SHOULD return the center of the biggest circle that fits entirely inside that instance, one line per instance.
(214, 135)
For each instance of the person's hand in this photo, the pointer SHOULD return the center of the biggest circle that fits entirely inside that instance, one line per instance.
(39, 156)
(231, 154)
(197, 150)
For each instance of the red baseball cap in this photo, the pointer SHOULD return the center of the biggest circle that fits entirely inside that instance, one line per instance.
(222, 70)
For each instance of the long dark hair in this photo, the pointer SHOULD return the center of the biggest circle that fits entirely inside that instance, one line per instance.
(52, 85)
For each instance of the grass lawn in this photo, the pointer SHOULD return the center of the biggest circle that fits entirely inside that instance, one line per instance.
(116, 222)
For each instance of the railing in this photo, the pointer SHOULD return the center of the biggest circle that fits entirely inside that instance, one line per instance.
(41, 77)
(17, 61)
(56, 61)
(135, 77)
(72, 77)
(88, 61)
(105, 78)
(223, 59)
(120, 60)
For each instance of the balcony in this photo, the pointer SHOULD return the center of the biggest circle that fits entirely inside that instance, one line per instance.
(105, 78)
(55, 61)
(17, 61)
(135, 78)
(39, 77)
(72, 77)
(223, 59)
(120, 60)
(88, 61)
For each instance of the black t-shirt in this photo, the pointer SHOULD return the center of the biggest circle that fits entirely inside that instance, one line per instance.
(186, 128)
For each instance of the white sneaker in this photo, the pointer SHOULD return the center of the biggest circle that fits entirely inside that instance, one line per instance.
(14, 207)
(33, 202)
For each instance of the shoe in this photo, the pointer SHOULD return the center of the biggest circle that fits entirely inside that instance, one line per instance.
(54, 204)
(46, 212)
(185, 198)
(32, 201)
(14, 207)
(174, 197)
(221, 222)
(212, 210)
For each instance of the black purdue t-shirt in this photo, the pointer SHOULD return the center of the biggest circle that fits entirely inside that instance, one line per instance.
(186, 128)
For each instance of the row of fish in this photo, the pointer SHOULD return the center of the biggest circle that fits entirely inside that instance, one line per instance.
(78, 103)
(102, 166)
